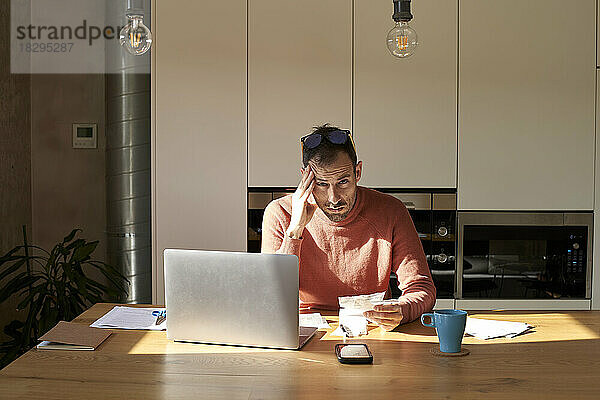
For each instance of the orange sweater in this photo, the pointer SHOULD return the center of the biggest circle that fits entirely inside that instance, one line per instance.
(356, 255)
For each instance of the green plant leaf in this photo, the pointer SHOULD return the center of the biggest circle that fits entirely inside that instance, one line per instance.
(10, 253)
(30, 329)
(15, 285)
(67, 269)
(97, 287)
(83, 252)
(41, 261)
(103, 292)
(37, 291)
(109, 269)
(9, 259)
(46, 321)
(115, 277)
(13, 268)
(7, 346)
(58, 290)
(71, 235)
(15, 280)
(52, 259)
(80, 280)
(78, 304)
(74, 244)
(64, 252)
(39, 248)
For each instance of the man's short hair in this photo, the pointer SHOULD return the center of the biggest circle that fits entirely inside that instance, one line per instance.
(326, 152)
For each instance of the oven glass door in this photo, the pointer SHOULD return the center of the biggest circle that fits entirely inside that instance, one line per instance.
(524, 262)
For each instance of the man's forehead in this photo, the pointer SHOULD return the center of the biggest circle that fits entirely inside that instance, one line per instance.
(332, 171)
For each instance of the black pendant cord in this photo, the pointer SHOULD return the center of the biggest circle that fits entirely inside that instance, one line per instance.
(402, 11)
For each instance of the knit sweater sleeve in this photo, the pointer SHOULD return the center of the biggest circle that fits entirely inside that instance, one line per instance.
(275, 222)
(410, 264)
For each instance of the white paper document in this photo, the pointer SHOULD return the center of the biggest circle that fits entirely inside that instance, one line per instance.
(314, 320)
(490, 329)
(354, 324)
(130, 318)
(361, 303)
(351, 313)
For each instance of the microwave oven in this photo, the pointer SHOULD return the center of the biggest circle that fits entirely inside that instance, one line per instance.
(524, 255)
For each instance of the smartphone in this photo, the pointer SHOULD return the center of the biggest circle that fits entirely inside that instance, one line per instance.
(353, 353)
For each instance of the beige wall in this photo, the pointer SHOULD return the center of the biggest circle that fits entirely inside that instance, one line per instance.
(68, 185)
(199, 136)
(15, 156)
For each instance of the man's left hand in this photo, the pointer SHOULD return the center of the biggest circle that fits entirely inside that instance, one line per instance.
(387, 316)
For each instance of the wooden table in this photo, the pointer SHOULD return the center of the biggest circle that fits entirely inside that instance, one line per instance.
(560, 360)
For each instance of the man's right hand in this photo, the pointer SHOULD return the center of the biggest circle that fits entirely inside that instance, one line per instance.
(303, 207)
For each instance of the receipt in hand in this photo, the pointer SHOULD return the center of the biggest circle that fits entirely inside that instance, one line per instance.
(351, 312)
(361, 303)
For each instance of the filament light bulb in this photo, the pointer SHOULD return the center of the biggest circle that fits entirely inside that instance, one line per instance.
(135, 37)
(402, 40)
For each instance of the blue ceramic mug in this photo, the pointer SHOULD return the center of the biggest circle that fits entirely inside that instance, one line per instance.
(450, 327)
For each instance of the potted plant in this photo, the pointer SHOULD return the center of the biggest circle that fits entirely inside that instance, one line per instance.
(53, 287)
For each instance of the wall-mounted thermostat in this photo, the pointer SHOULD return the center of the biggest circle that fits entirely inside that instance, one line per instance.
(85, 136)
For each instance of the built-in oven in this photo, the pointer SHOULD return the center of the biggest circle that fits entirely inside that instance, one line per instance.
(434, 217)
(257, 202)
(524, 255)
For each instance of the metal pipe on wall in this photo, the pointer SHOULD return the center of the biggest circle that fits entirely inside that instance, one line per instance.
(129, 246)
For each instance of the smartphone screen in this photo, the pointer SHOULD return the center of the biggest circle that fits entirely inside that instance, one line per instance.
(354, 351)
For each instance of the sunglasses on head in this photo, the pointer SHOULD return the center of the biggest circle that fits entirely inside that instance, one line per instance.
(339, 136)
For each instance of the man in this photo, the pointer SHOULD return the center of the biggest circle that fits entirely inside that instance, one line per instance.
(348, 238)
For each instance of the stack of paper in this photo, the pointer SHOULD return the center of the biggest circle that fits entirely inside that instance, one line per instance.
(489, 329)
(314, 320)
(130, 318)
(72, 336)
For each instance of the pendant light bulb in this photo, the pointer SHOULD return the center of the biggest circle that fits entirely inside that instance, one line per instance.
(135, 37)
(402, 38)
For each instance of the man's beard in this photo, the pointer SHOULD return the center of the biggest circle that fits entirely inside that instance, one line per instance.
(336, 217)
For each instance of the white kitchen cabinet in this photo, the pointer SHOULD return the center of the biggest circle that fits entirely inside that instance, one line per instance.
(199, 128)
(405, 109)
(526, 104)
(299, 76)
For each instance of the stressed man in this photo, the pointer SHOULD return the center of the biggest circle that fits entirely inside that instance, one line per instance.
(348, 238)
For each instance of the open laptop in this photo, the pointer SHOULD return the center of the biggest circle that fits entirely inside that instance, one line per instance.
(246, 299)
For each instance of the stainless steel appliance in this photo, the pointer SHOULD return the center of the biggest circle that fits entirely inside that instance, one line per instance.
(257, 202)
(434, 216)
(524, 255)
